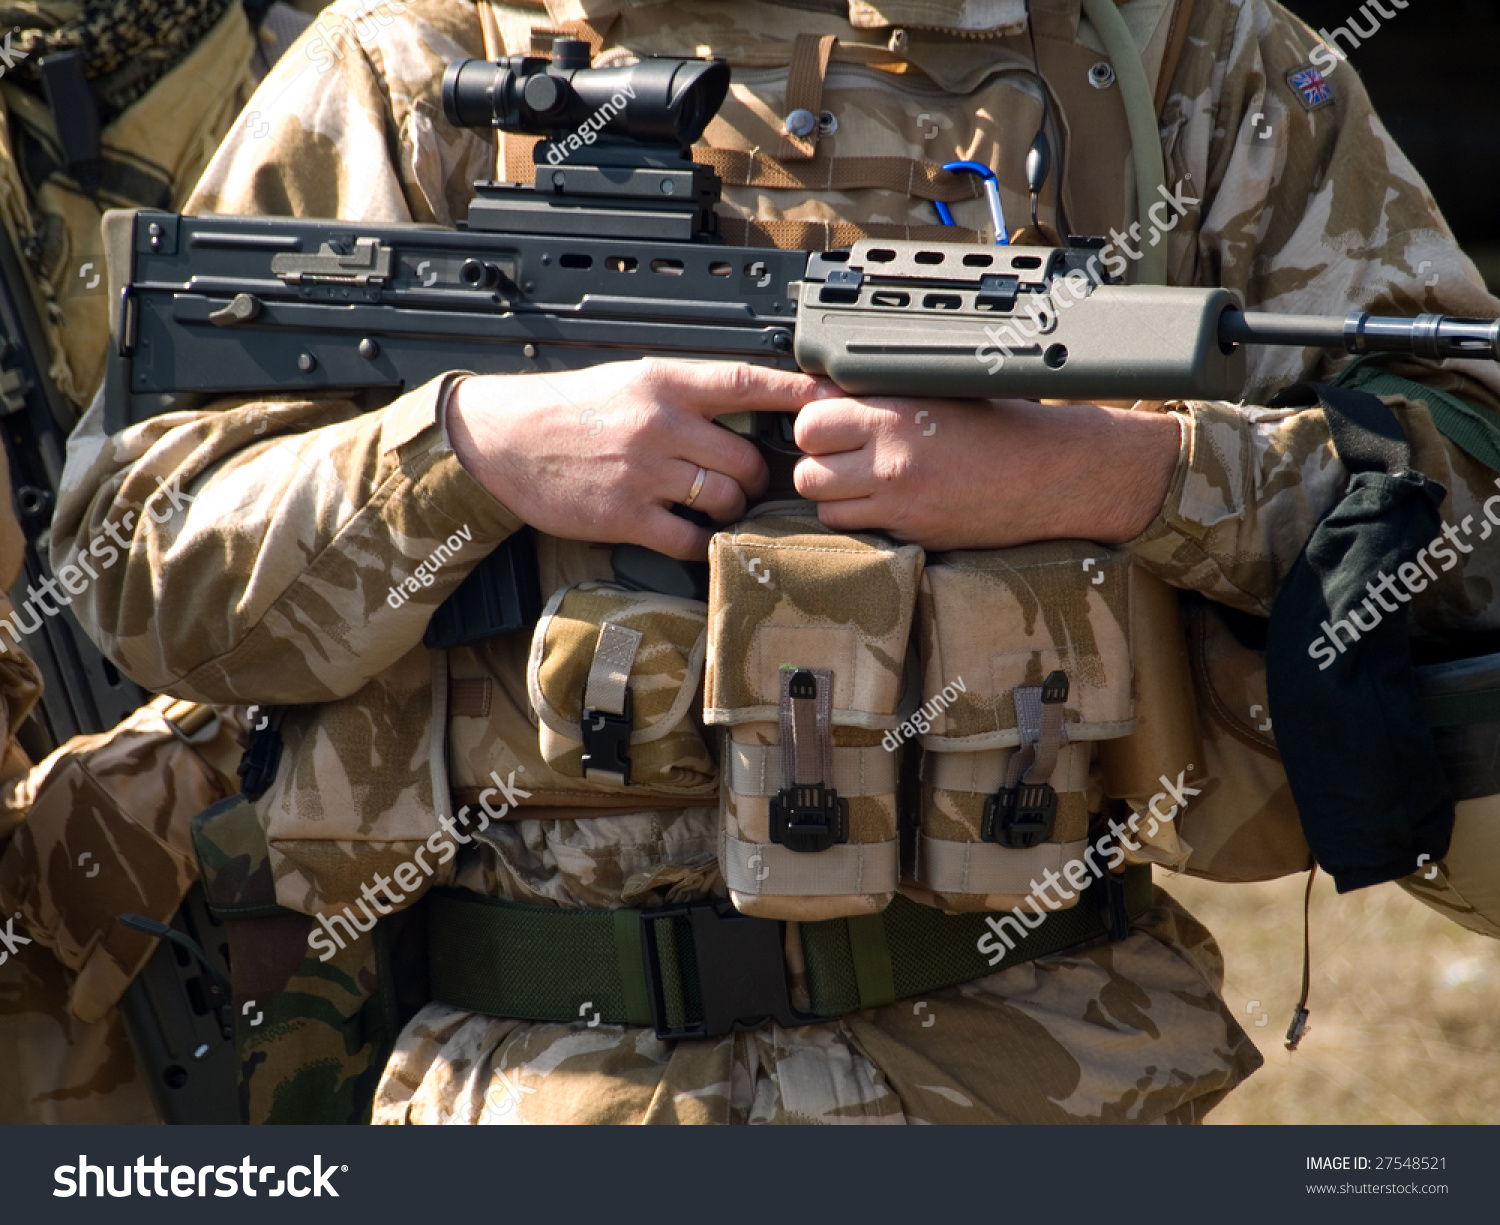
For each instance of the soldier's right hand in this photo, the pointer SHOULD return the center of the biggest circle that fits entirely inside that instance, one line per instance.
(601, 454)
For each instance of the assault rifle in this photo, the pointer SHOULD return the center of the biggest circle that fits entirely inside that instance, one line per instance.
(615, 253)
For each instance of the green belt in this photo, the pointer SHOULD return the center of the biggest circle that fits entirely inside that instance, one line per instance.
(704, 970)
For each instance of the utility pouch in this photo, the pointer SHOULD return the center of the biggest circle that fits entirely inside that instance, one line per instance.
(614, 679)
(1026, 664)
(807, 633)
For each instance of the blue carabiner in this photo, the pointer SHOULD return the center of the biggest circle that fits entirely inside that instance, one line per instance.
(991, 191)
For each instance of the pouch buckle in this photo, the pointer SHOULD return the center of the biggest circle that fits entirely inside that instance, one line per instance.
(740, 966)
(262, 757)
(606, 740)
(809, 818)
(1020, 817)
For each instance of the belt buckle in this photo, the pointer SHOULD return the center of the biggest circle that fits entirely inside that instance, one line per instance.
(741, 965)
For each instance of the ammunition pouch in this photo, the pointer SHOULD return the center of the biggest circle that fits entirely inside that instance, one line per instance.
(807, 631)
(1026, 666)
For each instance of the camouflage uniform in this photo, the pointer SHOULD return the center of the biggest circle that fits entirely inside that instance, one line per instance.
(306, 509)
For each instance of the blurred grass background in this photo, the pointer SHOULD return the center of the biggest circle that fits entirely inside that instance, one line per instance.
(1405, 1004)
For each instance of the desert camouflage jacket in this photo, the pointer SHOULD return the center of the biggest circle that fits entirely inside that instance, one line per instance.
(271, 585)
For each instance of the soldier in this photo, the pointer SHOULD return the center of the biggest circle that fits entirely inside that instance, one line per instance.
(98, 825)
(309, 511)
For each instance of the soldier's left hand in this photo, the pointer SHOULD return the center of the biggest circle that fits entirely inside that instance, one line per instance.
(981, 474)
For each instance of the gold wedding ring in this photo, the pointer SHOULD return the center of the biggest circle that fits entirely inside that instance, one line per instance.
(697, 487)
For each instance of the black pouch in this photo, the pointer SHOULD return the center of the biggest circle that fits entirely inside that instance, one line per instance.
(1362, 761)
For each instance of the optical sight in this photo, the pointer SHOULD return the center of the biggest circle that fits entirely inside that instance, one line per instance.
(659, 101)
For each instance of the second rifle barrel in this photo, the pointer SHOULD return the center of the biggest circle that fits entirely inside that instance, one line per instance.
(1434, 336)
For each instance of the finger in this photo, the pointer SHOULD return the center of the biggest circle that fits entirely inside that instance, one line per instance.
(833, 425)
(834, 478)
(666, 533)
(723, 451)
(851, 515)
(720, 498)
(716, 388)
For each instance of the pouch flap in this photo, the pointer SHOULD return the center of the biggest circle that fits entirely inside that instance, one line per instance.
(785, 590)
(996, 621)
(594, 637)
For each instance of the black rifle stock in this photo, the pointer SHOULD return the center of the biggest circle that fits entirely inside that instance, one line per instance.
(617, 255)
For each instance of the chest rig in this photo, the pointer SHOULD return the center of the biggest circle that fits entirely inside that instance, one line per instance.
(853, 679)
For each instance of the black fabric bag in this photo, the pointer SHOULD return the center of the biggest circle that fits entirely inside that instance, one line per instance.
(1361, 759)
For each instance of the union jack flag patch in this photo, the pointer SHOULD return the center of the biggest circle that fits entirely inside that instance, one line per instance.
(1312, 87)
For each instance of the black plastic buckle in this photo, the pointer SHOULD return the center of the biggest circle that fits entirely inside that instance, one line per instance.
(741, 971)
(1020, 817)
(606, 739)
(1109, 896)
(262, 756)
(811, 818)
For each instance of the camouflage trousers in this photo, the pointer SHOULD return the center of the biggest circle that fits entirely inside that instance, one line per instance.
(1130, 1032)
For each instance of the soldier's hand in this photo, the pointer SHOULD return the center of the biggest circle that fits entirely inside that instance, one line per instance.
(600, 454)
(984, 474)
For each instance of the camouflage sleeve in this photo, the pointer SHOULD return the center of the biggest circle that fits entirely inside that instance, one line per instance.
(260, 542)
(1307, 207)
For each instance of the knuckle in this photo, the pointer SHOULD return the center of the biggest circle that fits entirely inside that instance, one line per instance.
(743, 460)
(645, 417)
(738, 380)
(894, 465)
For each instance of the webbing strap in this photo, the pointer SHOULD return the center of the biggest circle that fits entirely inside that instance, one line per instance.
(848, 868)
(755, 769)
(830, 235)
(806, 726)
(930, 950)
(984, 772)
(948, 866)
(871, 953)
(1040, 725)
(537, 963)
(609, 672)
(804, 91)
(908, 175)
(541, 963)
(1458, 709)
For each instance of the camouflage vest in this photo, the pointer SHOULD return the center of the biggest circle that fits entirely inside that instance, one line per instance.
(596, 640)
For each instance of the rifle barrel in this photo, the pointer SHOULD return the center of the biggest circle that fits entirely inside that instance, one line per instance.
(1434, 336)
